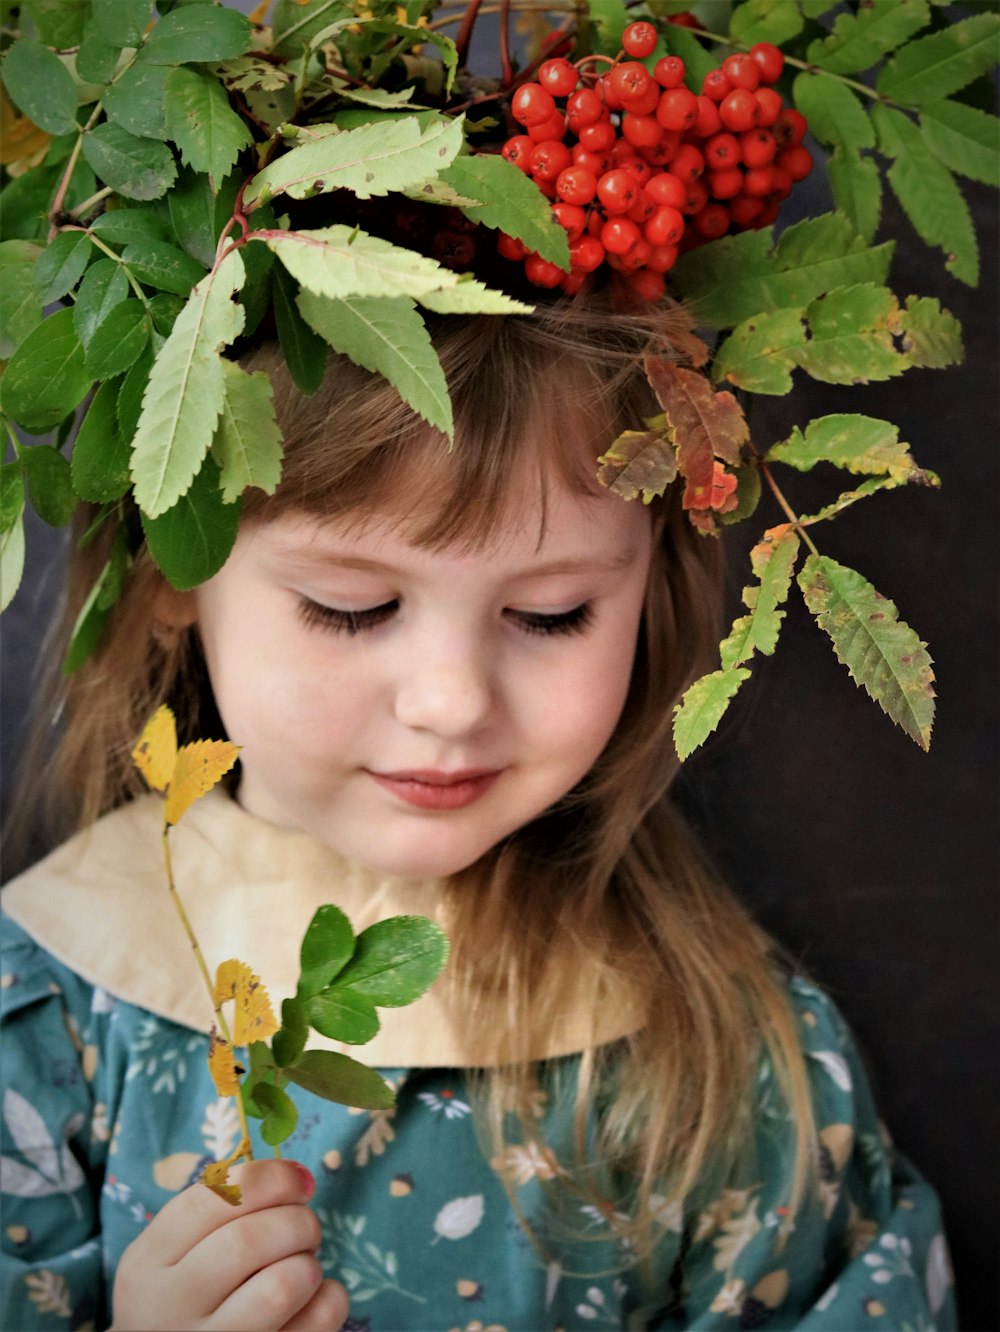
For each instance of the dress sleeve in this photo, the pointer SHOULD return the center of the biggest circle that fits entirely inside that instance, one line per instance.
(865, 1250)
(54, 1142)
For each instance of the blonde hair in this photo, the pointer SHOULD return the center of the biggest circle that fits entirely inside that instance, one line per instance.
(611, 872)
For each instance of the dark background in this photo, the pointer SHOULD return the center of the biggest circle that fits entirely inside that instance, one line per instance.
(876, 864)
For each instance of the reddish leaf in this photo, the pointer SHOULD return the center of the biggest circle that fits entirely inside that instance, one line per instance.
(707, 425)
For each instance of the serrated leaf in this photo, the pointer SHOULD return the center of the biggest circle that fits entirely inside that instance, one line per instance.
(327, 946)
(304, 351)
(835, 113)
(760, 354)
(103, 287)
(215, 1176)
(208, 132)
(161, 265)
(192, 541)
(738, 276)
(849, 497)
(638, 462)
(468, 296)
(123, 226)
(337, 1077)
(41, 86)
(388, 337)
(199, 767)
(341, 261)
(118, 340)
(964, 138)
(702, 707)
(776, 21)
(290, 1039)
(222, 1065)
(130, 397)
(851, 336)
(928, 193)
(932, 337)
(863, 445)
(186, 389)
(20, 306)
(856, 183)
(343, 1016)
(943, 62)
(294, 24)
(859, 40)
(197, 33)
(390, 154)
(247, 442)
(706, 425)
(883, 654)
(137, 100)
(510, 202)
(50, 484)
(772, 561)
(395, 961)
(46, 377)
(61, 265)
(280, 1114)
(133, 167)
(155, 752)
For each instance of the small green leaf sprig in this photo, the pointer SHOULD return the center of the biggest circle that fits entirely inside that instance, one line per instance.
(148, 157)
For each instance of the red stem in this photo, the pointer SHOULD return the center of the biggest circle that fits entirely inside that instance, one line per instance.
(506, 68)
(464, 35)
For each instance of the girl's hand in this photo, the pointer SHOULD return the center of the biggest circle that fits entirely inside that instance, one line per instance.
(204, 1266)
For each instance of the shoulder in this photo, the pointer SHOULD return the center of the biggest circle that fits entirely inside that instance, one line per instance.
(29, 975)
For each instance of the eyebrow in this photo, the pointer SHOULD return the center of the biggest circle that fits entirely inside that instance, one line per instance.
(309, 559)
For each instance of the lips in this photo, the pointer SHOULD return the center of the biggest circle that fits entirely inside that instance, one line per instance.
(430, 788)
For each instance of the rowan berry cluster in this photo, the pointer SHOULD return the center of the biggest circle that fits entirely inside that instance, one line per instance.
(639, 167)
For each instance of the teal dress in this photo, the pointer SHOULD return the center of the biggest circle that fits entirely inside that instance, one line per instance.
(108, 1110)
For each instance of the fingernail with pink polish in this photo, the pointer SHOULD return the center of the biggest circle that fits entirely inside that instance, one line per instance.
(306, 1176)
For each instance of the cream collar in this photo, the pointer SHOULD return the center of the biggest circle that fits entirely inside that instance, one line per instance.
(100, 905)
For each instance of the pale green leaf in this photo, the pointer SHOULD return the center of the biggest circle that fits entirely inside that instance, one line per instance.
(371, 160)
(133, 167)
(294, 24)
(386, 336)
(772, 560)
(197, 33)
(122, 21)
(193, 540)
(776, 21)
(863, 445)
(883, 654)
(341, 261)
(46, 378)
(942, 63)
(337, 1077)
(186, 389)
(247, 443)
(859, 40)
(835, 113)
(509, 201)
(395, 961)
(760, 354)
(41, 86)
(99, 464)
(104, 286)
(866, 488)
(851, 336)
(856, 183)
(137, 100)
(932, 337)
(208, 132)
(468, 296)
(966, 139)
(702, 707)
(11, 559)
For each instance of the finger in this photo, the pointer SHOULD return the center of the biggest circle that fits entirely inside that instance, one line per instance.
(270, 1298)
(197, 1212)
(326, 1312)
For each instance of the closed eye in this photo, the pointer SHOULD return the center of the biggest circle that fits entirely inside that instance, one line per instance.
(561, 622)
(346, 621)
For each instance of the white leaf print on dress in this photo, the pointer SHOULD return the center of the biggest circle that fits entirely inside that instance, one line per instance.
(836, 1066)
(220, 1127)
(49, 1292)
(56, 1168)
(459, 1218)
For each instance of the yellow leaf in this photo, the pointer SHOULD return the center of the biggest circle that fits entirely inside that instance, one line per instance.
(155, 754)
(198, 768)
(223, 1066)
(254, 1018)
(216, 1178)
(258, 16)
(20, 138)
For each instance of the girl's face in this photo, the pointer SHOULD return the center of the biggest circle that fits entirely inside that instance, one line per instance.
(410, 708)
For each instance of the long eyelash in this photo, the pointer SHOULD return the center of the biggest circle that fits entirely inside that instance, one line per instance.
(345, 621)
(563, 622)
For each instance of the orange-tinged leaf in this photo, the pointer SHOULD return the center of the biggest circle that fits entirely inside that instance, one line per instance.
(254, 1018)
(155, 754)
(707, 425)
(20, 138)
(222, 1065)
(215, 1176)
(639, 462)
(198, 768)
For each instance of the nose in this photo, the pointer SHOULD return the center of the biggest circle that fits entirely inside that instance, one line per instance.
(449, 691)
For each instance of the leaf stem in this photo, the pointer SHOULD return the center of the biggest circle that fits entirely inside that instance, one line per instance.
(786, 508)
(464, 34)
(506, 68)
(74, 157)
(88, 204)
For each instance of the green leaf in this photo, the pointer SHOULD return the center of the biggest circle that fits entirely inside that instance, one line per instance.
(341, 261)
(942, 63)
(41, 86)
(857, 190)
(882, 653)
(49, 483)
(165, 309)
(192, 541)
(697, 60)
(197, 33)
(122, 226)
(468, 296)
(163, 266)
(59, 22)
(137, 100)
(11, 552)
(305, 352)
(772, 561)
(775, 21)
(337, 1077)
(185, 393)
(609, 18)
(386, 336)
(395, 961)
(199, 212)
(866, 488)
(294, 24)
(259, 1074)
(859, 40)
(510, 202)
(290, 1039)
(130, 396)
(928, 193)
(327, 946)
(280, 1113)
(407, 36)
(863, 445)
(104, 286)
(851, 336)
(390, 154)
(343, 1016)
(101, 452)
(835, 114)
(738, 276)
(46, 377)
(760, 354)
(966, 140)
(247, 443)
(702, 707)
(133, 167)
(97, 58)
(20, 306)
(118, 340)
(208, 132)
(932, 337)
(122, 21)
(61, 265)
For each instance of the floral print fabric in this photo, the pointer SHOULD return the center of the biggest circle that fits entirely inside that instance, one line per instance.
(108, 1111)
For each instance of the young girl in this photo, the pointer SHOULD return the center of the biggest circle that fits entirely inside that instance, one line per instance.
(452, 675)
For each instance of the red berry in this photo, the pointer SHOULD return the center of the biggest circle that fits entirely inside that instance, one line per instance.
(677, 109)
(573, 281)
(618, 190)
(647, 283)
(781, 183)
(697, 198)
(796, 161)
(738, 110)
(688, 163)
(518, 150)
(757, 147)
(639, 40)
(571, 217)
(630, 81)
(769, 61)
(618, 235)
(640, 169)
(531, 104)
(662, 258)
(597, 137)
(666, 188)
(636, 255)
(584, 107)
(541, 272)
(712, 222)
(595, 163)
(576, 185)
(744, 210)
(662, 152)
(709, 121)
(606, 90)
(758, 181)
(669, 72)
(768, 106)
(641, 131)
(716, 85)
(643, 208)
(550, 160)
(510, 247)
(558, 77)
(722, 150)
(790, 128)
(742, 71)
(586, 253)
(725, 184)
(553, 128)
(684, 20)
(665, 227)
